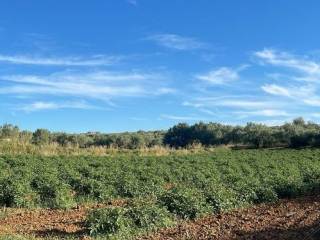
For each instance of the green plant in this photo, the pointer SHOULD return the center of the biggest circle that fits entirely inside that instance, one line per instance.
(185, 203)
(220, 198)
(15, 193)
(148, 215)
(265, 195)
(52, 193)
(108, 221)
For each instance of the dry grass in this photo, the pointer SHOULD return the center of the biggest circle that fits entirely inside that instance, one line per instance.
(17, 148)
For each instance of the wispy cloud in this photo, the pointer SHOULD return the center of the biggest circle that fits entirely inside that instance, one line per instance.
(285, 59)
(177, 42)
(220, 76)
(264, 113)
(39, 106)
(181, 118)
(96, 84)
(244, 104)
(234, 102)
(292, 88)
(276, 90)
(98, 60)
(301, 88)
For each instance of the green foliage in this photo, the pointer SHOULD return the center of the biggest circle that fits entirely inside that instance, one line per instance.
(138, 216)
(185, 203)
(108, 221)
(52, 192)
(41, 137)
(296, 134)
(186, 185)
(221, 199)
(147, 215)
(15, 193)
(265, 195)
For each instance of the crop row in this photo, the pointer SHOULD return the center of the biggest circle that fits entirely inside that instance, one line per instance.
(158, 190)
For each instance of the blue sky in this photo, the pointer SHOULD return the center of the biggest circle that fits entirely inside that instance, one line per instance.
(125, 65)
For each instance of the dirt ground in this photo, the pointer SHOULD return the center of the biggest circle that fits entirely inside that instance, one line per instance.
(288, 219)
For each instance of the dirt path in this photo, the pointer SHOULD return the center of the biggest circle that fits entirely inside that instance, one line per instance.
(288, 219)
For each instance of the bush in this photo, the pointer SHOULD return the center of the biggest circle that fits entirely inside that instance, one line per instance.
(185, 203)
(220, 198)
(139, 216)
(148, 215)
(14, 193)
(52, 193)
(108, 221)
(265, 195)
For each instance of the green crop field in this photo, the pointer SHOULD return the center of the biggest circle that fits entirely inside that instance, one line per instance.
(157, 191)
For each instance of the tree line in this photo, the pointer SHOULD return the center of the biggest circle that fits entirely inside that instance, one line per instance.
(297, 133)
(126, 140)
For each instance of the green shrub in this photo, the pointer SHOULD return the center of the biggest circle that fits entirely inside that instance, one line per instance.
(52, 193)
(265, 195)
(14, 193)
(147, 215)
(138, 216)
(93, 189)
(221, 199)
(185, 203)
(108, 221)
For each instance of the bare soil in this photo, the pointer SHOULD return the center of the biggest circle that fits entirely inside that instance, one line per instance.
(293, 219)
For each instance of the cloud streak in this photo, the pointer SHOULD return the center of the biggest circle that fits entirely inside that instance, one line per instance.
(276, 90)
(287, 60)
(177, 42)
(219, 76)
(181, 118)
(98, 60)
(97, 84)
(40, 106)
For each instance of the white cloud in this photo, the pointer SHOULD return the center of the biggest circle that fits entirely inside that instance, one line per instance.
(276, 90)
(305, 94)
(177, 42)
(220, 76)
(181, 118)
(98, 60)
(244, 104)
(312, 101)
(97, 84)
(38, 106)
(264, 113)
(235, 102)
(302, 70)
(284, 59)
(191, 104)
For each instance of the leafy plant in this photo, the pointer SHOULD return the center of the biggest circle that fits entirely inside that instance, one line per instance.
(185, 203)
(108, 221)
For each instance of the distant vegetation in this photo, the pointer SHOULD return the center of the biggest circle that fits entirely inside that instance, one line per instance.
(295, 134)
